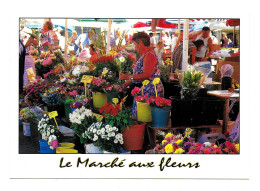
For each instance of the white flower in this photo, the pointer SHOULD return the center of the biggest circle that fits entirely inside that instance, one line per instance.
(113, 134)
(121, 142)
(207, 144)
(110, 134)
(107, 126)
(103, 136)
(99, 132)
(115, 141)
(120, 139)
(117, 136)
(122, 59)
(108, 138)
(110, 129)
(94, 130)
(52, 131)
(103, 130)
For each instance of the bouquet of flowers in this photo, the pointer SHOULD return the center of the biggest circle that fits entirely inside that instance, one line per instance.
(34, 112)
(106, 137)
(165, 70)
(77, 70)
(176, 144)
(80, 120)
(49, 131)
(159, 102)
(51, 97)
(98, 85)
(125, 62)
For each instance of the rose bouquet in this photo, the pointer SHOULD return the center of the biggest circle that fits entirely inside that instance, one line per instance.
(80, 120)
(106, 137)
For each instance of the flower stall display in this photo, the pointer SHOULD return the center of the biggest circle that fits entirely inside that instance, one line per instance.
(106, 137)
(77, 70)
(50, 135)
(160, 108)
(113, 91)
(80, 120)
(177, 144)
(125, 62)
(29, 113)
(98, 90)
(190, 81)
(144, 113)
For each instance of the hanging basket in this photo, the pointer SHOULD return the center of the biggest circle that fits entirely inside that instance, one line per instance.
(99, 99)
(144, 113)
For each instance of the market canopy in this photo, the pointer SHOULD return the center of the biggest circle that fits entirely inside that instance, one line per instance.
(102, 20)
(233, 22)
(140, 25)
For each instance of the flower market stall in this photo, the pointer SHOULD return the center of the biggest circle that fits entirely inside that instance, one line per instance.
(74, 104)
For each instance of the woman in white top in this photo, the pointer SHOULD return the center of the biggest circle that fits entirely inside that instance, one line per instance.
(159, 51)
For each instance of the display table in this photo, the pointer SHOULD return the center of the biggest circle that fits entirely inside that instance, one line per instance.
(226, 96)
(218, 84)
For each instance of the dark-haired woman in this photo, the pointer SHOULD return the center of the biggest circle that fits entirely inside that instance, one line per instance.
(193, 46)
(146, 68)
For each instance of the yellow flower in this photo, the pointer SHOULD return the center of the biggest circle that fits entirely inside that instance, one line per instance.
(237, 85)
(168, 135)
(179, 141)
(215, 146)
(112, 53)
(233, 86)
(67, 75)
(237, 147)
(164, 141)
(179, 151)
(169, 148)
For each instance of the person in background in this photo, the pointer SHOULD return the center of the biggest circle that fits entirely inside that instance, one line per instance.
(92, 51)
(214, 39)
(81, 42)
(205, 36)
(226, 72)
(174, 40)
(224, 41)
(29, 60)
(50, 35)
(73, 37)
(59, 32)
(146, 68)
(159, 51)
(22, 52)
(166, 40)
(193, 46)
(192, 35)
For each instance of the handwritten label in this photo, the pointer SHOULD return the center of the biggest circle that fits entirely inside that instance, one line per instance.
(86, 79)
(115, 100)
(99, 117)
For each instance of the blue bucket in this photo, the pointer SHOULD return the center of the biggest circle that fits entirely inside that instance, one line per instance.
(45, 148)
(160, 116)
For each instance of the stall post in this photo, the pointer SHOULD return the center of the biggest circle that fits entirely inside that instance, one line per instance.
(108, 35)
(66, 40)
(185, 45)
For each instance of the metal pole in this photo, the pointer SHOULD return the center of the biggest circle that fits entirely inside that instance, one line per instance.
(185, 45)
(66, 39)
(108, 35)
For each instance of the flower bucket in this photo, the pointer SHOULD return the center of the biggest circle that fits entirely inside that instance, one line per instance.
(26, 129)
(134, 137)
(111, 95)
(144, 113)
(90, 148)
(64, 150)
(99, 99)
(160, 116)
(45, 148)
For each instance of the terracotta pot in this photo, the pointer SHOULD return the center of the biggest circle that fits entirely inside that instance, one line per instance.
(134, 137)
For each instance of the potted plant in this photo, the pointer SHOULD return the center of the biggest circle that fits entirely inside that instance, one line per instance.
(161, 108)
(97, 88)
(113, 91)
(144, 113)
(50, 135)
(105, 138)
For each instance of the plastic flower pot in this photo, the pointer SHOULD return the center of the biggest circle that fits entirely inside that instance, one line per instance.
(26, 129)
(66, 145)
(144, 113)
(160, 116)
(134, 137)
(99, 99)
(64, 150)
(111, 95)
(90, 148)
(45, 148)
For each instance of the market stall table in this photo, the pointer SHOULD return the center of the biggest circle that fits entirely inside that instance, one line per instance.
(226, 96)
(218, 84)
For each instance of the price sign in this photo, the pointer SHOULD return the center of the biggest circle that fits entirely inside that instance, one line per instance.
(188, 131)
(104, 73)
(30, 75)
(115, 100)
(125, 98)
(99, 117)
(53, 115)
(86, 79)
(155, 82)
(145, 82)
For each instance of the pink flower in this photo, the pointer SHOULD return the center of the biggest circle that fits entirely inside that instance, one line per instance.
(74, 92)
(135, 91)
(54, 143)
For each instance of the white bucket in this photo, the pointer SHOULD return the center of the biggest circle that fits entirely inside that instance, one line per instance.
(90, 148)
(26, 129)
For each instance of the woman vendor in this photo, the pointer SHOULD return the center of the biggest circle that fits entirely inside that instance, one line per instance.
(146, 68)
